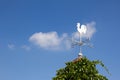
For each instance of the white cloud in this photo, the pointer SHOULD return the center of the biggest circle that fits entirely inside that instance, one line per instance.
(52, 41)
(49, 40)
(90, 31)
(11, 46)
(26, 47)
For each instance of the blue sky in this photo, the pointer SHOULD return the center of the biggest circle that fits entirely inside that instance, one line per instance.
(23, 58)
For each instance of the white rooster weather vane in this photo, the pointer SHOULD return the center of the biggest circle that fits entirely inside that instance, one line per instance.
(82, 29)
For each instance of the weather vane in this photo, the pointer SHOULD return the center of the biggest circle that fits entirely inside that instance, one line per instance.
(82, 30)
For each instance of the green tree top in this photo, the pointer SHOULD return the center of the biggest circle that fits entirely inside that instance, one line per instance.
(80, 69)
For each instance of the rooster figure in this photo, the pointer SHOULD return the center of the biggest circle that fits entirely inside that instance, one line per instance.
(81, 29)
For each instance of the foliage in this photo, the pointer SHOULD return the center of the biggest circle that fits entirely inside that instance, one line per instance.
(83, 69)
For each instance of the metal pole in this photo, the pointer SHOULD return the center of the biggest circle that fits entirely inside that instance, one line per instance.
(80, 43)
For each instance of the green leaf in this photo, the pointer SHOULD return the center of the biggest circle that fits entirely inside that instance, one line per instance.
(83, 69)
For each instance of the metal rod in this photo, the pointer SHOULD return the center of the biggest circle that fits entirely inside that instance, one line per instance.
(80, 43)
